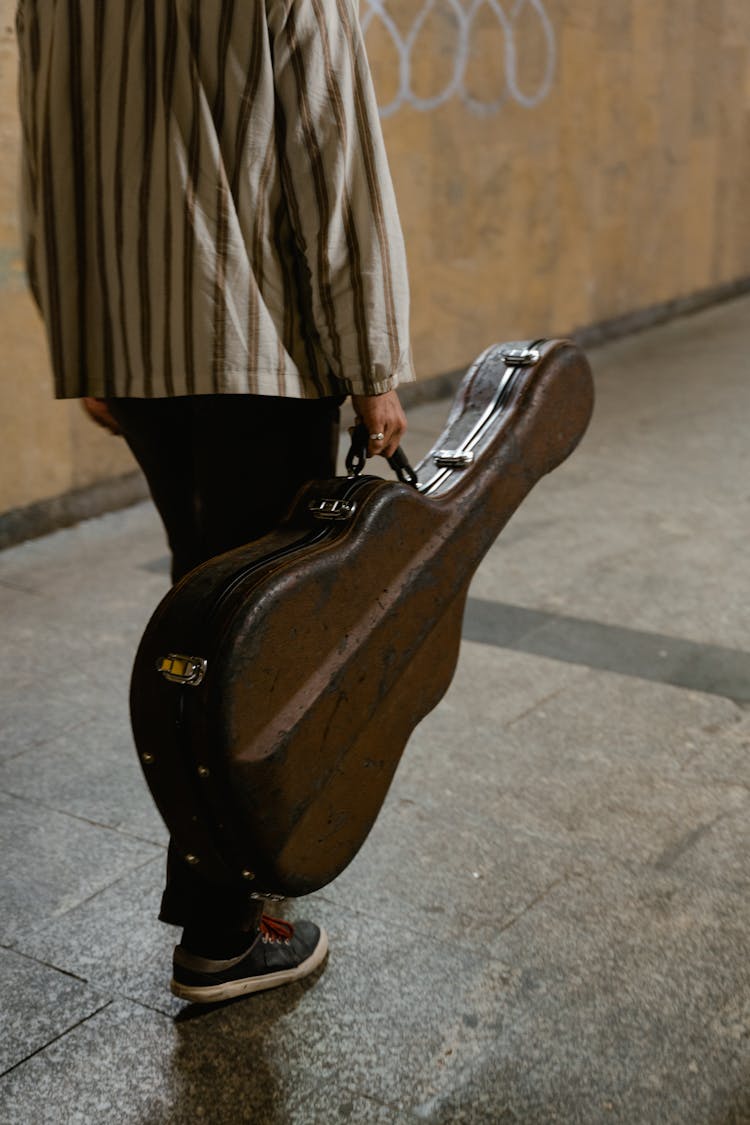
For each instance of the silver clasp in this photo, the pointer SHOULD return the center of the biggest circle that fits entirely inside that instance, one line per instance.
(519, 357)
(187, 670)
(453, 458)
(332, 509)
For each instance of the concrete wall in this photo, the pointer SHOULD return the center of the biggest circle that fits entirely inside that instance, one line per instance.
(48, 449)
(613, 177)
(557, 165)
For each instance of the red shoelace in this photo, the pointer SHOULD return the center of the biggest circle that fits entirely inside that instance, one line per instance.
(275, 929)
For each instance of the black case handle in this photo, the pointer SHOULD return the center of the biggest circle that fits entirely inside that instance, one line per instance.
(357, 456)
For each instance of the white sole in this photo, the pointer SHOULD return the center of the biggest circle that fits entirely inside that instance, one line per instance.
(213, 993)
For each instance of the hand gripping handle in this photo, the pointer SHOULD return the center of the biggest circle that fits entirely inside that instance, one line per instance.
(357, 456)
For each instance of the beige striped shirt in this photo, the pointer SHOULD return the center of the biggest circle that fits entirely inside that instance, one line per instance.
(206, 201)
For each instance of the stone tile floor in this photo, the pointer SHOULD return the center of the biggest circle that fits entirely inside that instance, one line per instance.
(550, 919)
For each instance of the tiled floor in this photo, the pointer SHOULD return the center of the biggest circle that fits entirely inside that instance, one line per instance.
(550, 919)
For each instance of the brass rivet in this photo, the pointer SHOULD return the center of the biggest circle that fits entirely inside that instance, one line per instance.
(192, 859)
(203, 771)
(147, 758)
(248, 874)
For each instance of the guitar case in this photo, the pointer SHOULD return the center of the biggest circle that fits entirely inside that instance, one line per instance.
(276, 686)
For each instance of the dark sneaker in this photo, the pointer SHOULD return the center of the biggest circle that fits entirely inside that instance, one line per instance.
(280, 952)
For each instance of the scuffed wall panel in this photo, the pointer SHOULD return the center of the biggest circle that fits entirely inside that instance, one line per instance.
(559, 164)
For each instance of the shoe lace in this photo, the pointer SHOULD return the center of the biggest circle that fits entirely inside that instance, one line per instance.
(275, 929)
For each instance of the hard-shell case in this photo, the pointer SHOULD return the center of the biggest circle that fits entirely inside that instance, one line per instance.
(276, 686)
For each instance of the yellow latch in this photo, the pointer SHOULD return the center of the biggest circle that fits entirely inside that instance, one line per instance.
(186, 670)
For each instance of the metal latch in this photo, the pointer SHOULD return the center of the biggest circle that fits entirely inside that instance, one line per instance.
(519, 357)
(453, 458)
(189, 670)
(332, 509)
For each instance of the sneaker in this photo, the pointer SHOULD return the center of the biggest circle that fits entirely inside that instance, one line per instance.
(280, 953)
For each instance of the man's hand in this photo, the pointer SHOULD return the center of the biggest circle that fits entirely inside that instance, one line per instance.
(385, 420)
(97, 410)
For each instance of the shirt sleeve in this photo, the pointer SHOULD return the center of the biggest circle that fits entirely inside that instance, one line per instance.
(340, 193)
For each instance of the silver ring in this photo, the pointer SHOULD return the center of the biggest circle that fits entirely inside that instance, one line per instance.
(377, 437)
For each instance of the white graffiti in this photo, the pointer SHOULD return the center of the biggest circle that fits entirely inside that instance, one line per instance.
(465, 17)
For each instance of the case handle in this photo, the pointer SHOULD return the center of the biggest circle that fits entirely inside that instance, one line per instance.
(357, 456)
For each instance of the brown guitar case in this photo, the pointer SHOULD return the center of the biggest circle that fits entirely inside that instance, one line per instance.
(277, 685)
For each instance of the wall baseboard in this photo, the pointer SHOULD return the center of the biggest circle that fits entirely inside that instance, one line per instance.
(45, 516)
(593, 335)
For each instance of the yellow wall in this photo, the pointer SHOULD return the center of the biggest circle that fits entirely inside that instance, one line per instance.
(47, 448)
(625, 186)
(590, 159)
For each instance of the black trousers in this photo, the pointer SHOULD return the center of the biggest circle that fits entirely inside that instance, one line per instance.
(222, 470)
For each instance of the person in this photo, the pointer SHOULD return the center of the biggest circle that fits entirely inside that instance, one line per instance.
(211, 235)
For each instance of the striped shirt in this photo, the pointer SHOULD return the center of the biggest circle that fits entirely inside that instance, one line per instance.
(206, 201)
